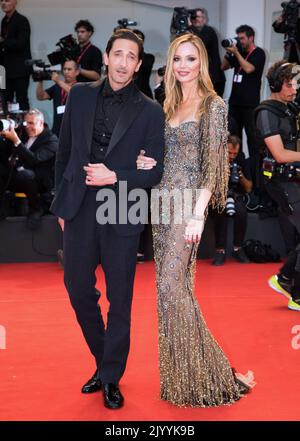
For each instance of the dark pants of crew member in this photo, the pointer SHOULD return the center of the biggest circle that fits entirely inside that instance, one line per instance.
(24, 181)
(86, 242)
(244, 118)
(291, 268)
(18, 87)
(239, 229)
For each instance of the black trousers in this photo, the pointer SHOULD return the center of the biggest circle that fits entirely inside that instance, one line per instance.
(85, 244)
(24, 181)
(291, 268)
(18, 87)
(240, 225)
(244, 118)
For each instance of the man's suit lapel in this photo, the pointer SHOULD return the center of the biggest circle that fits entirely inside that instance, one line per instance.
(132, 109)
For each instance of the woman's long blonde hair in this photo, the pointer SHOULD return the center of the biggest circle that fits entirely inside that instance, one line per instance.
(172, 86)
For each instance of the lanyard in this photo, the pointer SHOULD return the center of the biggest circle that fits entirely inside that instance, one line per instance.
(83, 52)
(248, 55)
(64, 95)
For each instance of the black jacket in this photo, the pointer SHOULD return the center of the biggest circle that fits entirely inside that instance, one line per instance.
(143, 76)
(40, 157)
(140, 126)
(210, 39)
(15, 49)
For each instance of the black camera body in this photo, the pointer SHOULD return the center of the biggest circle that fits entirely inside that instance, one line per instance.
(43, 73)
(234, 173)
(230, 42)
(69, 49)
(123, 23)
(180, 20)
(290, 15)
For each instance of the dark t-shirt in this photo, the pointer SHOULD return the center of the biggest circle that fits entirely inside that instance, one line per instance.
(55, 93)
(247, 92)
(91, 59)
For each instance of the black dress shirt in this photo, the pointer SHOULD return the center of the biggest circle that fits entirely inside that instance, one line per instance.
(110, 104)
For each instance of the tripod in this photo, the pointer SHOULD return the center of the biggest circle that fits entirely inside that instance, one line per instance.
(292, 51)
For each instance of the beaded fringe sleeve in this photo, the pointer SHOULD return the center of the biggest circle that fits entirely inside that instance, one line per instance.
(213, 157)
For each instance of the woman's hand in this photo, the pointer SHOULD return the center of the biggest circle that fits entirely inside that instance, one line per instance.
(144, 162)
(193, 230)
(61, 223)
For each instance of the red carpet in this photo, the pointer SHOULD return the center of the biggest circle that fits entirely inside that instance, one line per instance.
(46, 360)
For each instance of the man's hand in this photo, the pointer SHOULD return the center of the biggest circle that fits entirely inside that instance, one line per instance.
(54, 76)
(11, 135)
(99, 174)
(144, 162)
(232, 50)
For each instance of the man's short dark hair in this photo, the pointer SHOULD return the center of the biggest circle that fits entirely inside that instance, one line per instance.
(203, 10)
(84, 24)
(234, 140)
(277, 76)
(245, 29)
(76, 65)
(125, 34)
(139, 34)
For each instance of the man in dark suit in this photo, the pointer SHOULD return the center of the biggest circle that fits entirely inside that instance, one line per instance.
(210, 39)
(105, 126)
(27, 165)
(14, 50)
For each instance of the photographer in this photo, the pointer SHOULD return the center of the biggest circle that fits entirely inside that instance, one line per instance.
(288, 23)
(277, 128)
(58, 93)
(14, 50)
(239, 184)
(90, 57)
(248, 62)
(199, 20)
(29, 164)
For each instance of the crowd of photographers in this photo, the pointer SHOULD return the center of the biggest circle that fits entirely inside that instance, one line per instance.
(27, 154)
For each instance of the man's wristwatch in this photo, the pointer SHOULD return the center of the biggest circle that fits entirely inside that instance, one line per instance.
(16, 144)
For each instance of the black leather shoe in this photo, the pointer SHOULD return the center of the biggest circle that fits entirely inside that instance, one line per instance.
(113, 398)
(93, 385)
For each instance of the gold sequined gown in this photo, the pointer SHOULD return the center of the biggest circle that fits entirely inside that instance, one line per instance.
(193, 369)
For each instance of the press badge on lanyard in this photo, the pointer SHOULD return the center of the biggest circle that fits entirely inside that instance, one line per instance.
(238, 78)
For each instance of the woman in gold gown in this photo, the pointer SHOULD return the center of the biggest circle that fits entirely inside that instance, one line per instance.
(193, 368)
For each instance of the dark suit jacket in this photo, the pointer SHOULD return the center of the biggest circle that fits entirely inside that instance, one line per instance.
(210, 39)
(140, 126)
(40, 158)
(144, 73)
(15, 49)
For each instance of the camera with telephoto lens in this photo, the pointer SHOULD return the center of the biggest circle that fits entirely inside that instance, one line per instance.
(68, 49)
(230, 204)
(290, 15)
(41, 71)
(123, 23)
(8, 124)
(230, 42)
(234, 173)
